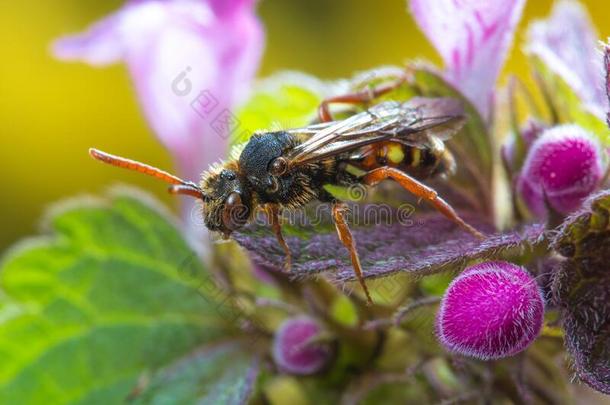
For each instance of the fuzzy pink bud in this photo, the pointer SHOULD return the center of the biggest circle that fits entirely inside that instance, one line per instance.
(564, 165)
(492, 310)
(295, 352)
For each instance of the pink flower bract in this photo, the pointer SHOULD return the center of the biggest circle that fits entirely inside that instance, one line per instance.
(492, 310)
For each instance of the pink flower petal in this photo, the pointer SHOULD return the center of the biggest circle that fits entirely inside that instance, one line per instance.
(567, 43)
(473, 38)
(191, 62)
(607, 79)
(98, 46)
(225, 7)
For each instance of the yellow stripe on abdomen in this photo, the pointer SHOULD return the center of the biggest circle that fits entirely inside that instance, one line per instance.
(415, 157)
(395, 154)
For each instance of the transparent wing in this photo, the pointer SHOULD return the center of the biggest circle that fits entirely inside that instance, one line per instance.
(412, 123)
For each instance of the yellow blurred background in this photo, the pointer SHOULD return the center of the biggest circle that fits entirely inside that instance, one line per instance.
(51, 112)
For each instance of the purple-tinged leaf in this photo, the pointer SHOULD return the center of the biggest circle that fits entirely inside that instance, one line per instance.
(425, 244)
(473, 38)
(581, 289)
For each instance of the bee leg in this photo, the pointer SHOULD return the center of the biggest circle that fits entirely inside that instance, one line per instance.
(273, 213)
(345, 236)
(361, 97)
(419, 190)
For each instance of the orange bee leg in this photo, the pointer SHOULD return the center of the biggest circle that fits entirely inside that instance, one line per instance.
(361, 97)
(420, 190)
(273, 213)
(345, 236)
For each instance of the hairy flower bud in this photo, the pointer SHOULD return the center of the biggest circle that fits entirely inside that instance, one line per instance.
(295, 349)
(564, 165)
(492, 310)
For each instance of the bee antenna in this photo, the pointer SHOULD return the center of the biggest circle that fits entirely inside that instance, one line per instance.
(189, 189)
(178, 186)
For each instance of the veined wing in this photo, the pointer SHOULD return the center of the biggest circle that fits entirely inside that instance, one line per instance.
(412, 123)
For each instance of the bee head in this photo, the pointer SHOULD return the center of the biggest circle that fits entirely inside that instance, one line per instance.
(227, 203)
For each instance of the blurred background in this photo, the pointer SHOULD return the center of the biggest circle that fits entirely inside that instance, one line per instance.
(52, 112)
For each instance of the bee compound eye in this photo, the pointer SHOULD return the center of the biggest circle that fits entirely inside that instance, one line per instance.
(278, 166)
(235, 213)
(227, 174)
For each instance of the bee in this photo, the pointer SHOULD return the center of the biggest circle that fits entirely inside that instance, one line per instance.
(287, 169)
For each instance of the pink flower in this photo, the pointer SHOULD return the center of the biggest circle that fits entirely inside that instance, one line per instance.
(567, 43)
(563, 166)
(191, 61)
(607, 79)
(293, 350)
(473, 38)
(492, 310)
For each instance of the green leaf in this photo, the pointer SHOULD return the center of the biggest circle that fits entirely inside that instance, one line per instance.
(285, 100)
(111, 293)
(565, 104)
(344, 311)
(222, 374)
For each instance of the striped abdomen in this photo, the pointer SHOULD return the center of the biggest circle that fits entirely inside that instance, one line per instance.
(420, 162)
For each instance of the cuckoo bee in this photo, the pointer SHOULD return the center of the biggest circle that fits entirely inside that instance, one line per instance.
(283, 170)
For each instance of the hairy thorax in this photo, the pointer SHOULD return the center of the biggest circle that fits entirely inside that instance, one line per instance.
(295, 187)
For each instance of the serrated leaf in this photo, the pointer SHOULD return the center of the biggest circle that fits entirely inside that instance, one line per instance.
(219, 374)
(566, 106)
(581, 289)
(111, 293)
(424, 245)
